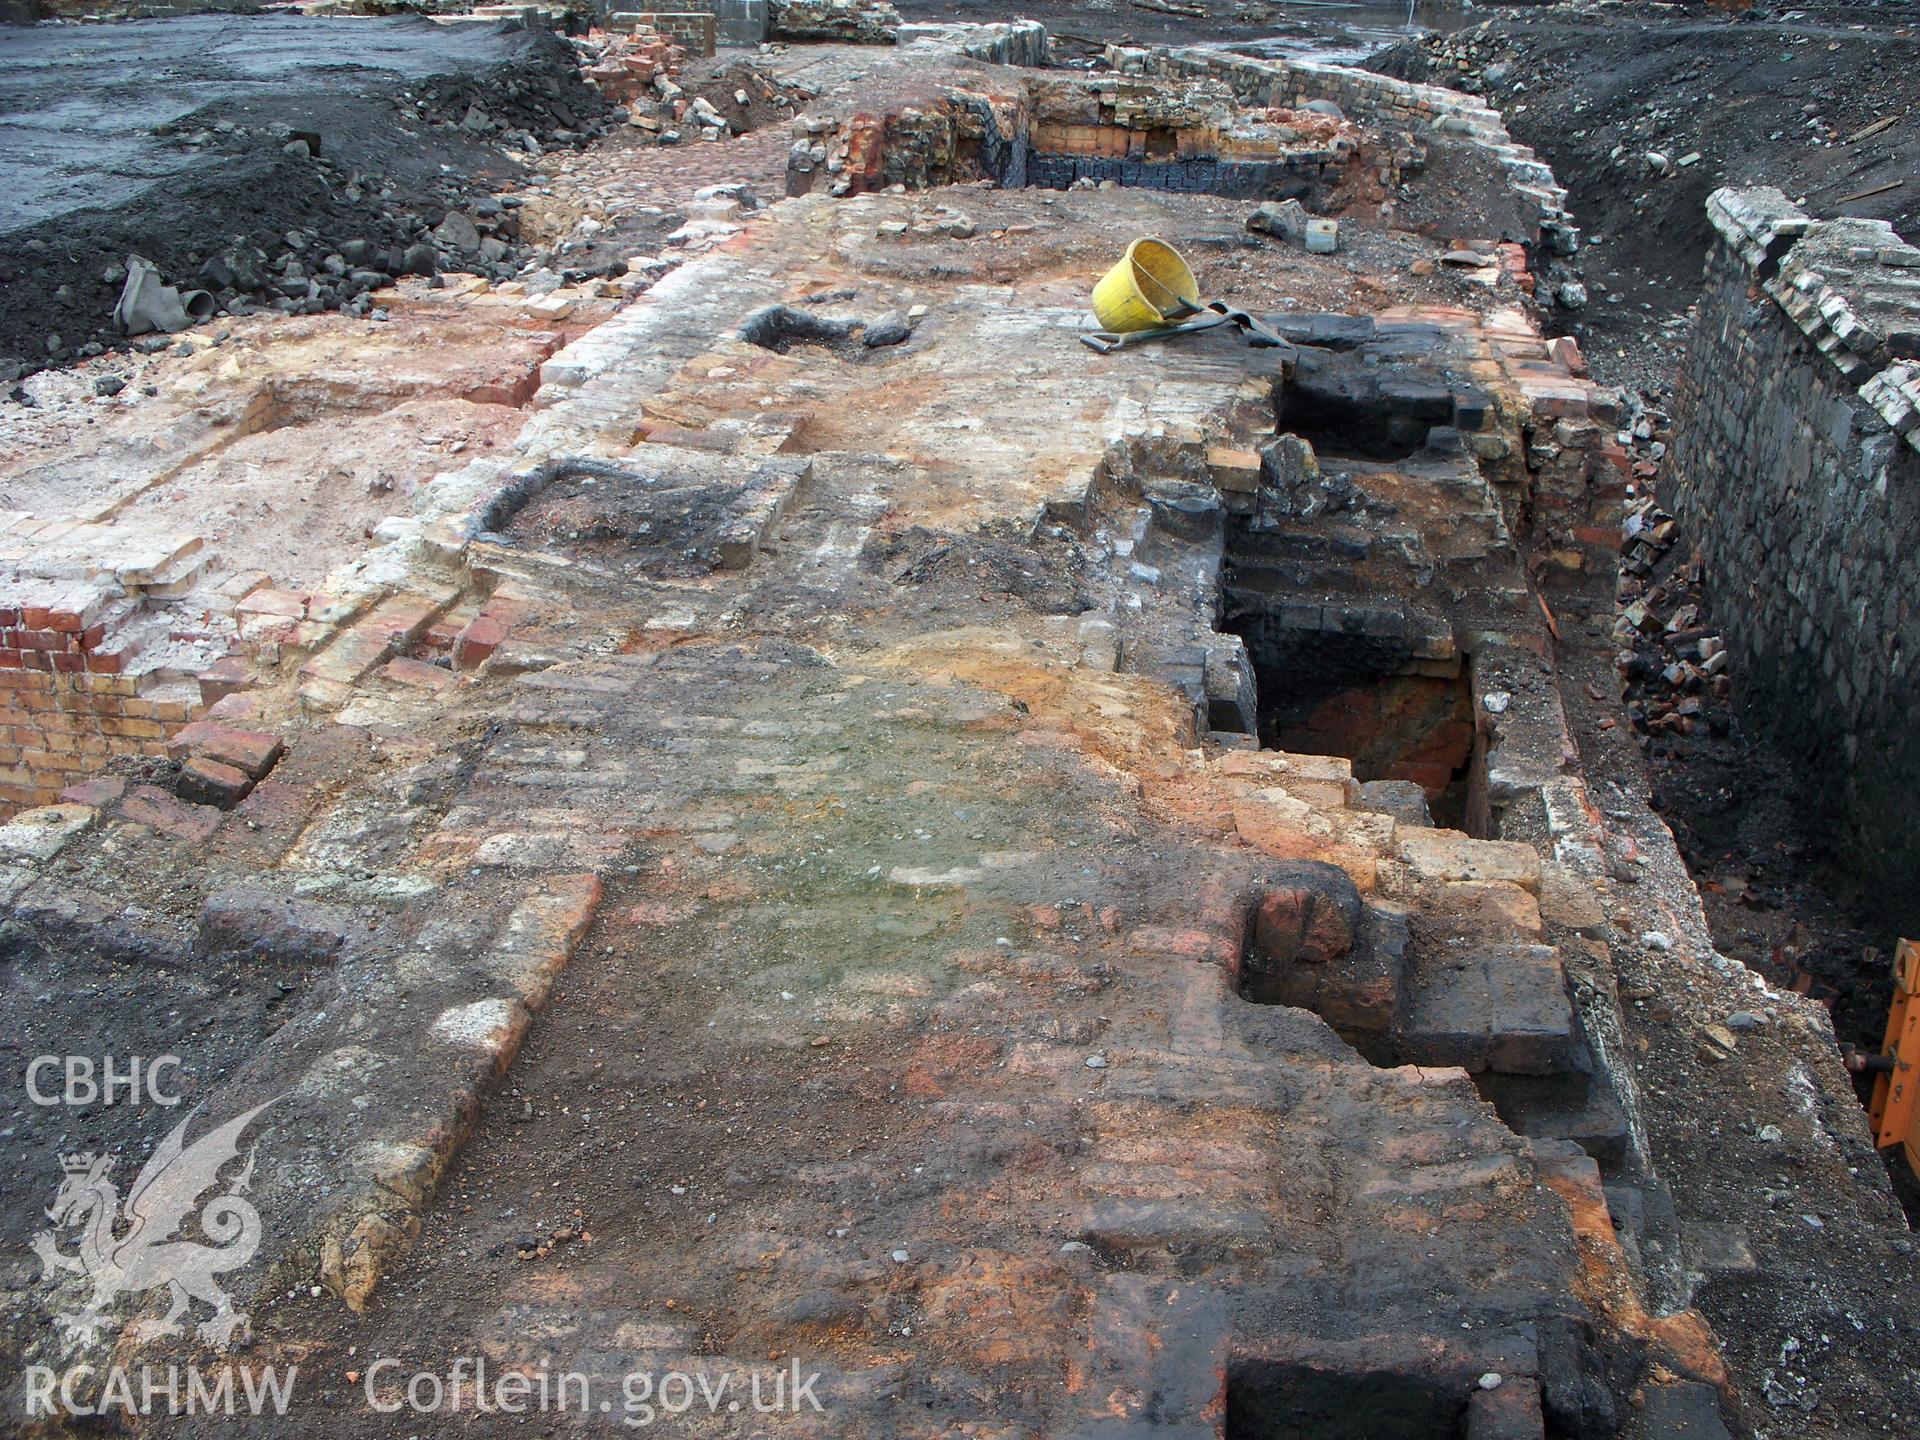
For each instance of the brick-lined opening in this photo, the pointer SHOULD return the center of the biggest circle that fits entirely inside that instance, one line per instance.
(1501, 1010)
(1193, 137)
(1189, 159)
(1368, 699)
(1311, 943)
(1344, 421)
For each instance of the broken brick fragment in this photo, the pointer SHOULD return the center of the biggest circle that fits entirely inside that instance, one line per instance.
(104, 791)
(1308, 914)
(208, 782)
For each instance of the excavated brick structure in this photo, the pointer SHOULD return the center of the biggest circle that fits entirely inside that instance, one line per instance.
(787, 862)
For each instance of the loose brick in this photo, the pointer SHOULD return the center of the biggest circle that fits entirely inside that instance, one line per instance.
(291, 604)
(101, 792)
(232, 708)
(208, 782)
(249, 751)
(152, 806)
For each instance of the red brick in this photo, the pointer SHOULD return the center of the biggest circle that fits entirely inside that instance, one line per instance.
(229, 708)
(1183, 944)
(417, 673)
(1598, 537)
(1566, 350)
(104, 791)
(291, 604)
(480, 639)
(251, 752)
(223, 678)
(440, 634)
(150, 805)
(208, 782)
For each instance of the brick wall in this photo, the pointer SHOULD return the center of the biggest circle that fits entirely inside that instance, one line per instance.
(103, 632)
(1794, 468)
(61, 728)
(735, 22)
(694, 30)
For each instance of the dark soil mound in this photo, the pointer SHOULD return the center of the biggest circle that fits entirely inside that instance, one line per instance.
(191, 141)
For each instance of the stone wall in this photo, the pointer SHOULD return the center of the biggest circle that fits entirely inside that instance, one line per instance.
(1796, 469)
(1016, 42)
(741, 22)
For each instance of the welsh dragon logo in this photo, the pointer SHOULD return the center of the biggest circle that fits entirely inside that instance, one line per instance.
(131, 1247)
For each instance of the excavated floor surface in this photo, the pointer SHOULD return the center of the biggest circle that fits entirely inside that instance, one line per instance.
(751, 885)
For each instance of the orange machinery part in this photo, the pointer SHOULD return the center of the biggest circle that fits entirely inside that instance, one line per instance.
(1893, 1110)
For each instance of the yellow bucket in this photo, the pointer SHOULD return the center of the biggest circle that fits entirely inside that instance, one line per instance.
(1150, 287)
